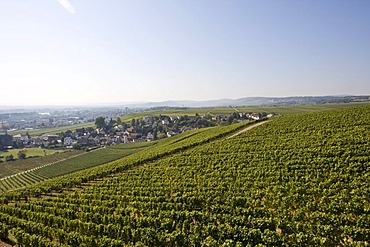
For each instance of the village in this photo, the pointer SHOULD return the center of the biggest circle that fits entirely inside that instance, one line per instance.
(114, 131)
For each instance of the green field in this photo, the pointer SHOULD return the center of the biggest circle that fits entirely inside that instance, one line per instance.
(297, 180)
(282, 110)
(39, 132)
(30, 152)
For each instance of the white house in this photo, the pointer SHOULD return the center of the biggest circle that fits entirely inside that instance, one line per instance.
(21, 137)
(125, 139)
(149, 137)
(171, 133)
(68, 141)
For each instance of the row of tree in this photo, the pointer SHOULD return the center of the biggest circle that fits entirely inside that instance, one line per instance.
(22, 154)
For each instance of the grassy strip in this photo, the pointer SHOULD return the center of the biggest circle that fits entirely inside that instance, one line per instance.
(37, 132)
(31, 152)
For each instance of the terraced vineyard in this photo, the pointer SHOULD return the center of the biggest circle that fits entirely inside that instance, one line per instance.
(299, 180)
(69, 165)
(17, 166)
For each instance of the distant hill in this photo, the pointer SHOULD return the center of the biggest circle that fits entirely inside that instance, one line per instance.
(247, 101)
(255, 101)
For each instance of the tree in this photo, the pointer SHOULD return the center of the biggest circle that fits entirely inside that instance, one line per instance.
(76, 146)
(124, 125)
(118, 121)
(110, 124)
(155, 134)
(17, 144)
(22, 154)
(9, 157)
(61, 136)
(230, 119)
(133, 122)
(100, 122)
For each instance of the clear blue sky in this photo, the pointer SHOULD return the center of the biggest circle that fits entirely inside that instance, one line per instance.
(99, 51)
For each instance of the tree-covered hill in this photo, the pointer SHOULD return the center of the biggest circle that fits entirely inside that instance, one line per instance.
(298, 180)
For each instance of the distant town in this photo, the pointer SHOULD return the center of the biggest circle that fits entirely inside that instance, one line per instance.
(50, 118)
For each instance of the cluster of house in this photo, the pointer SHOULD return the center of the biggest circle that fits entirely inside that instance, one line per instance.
(82, 137)
(146, 129)
(240, 116)
(24, 140)
(86, 139)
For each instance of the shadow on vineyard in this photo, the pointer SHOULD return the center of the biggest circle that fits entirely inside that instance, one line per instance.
(298, 180)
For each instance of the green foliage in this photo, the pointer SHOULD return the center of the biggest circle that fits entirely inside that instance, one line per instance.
(118, 121)
(3, 231)
(71, 164)
(32, 152)
(9, 157)
(17, 166)
(300, 180)
(22, 154)
(76, 146)
(86, 160)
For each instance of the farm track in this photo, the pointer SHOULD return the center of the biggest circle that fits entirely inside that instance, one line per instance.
(247, 128)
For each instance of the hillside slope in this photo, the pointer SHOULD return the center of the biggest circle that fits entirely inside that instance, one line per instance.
(299, 180)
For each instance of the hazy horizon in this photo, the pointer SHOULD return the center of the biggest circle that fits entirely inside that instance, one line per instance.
(141, 104)
(73, 52)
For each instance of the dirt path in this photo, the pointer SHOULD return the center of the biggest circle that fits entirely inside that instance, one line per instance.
(247, 128)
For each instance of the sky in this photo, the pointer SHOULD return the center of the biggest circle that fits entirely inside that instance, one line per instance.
(73, 52)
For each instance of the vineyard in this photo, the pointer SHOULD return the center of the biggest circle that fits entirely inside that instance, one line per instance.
(71, 164)
(297, 180)
(17, 166)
